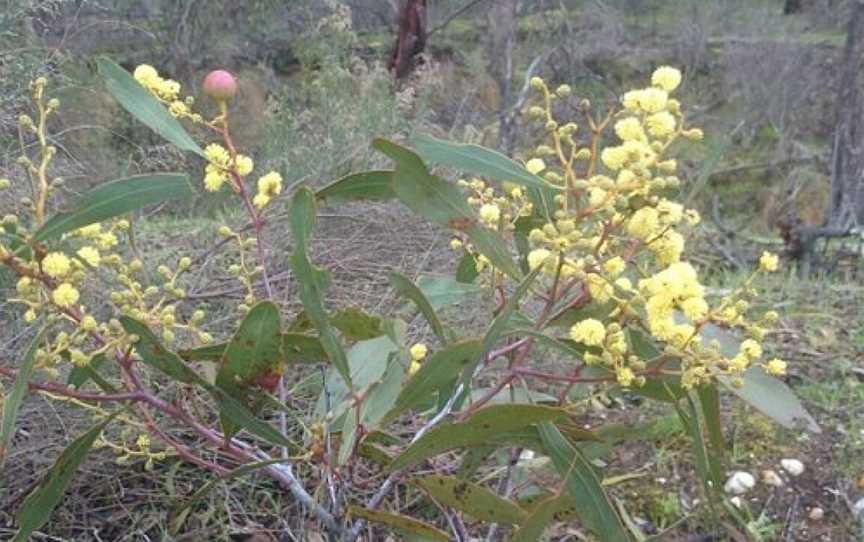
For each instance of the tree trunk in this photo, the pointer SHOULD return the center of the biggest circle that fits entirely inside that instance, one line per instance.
(847, 168)
(502, 33)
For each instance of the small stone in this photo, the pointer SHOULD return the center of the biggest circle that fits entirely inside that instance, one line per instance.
(792, 466)
(858, 508)
(816, 514)
(739, 482)
(771, 478)
(736, 501)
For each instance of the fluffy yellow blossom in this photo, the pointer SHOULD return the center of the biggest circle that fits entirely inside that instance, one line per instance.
(596, 197)
(666, 77)
(668, 247)
(695, 308)
(625, 376)
(629, 129)
(145, 74)
(599, 288)
(644, 223)
(631, 100)
(692, 217)
(776, 367)
(589, 332)
(490, 214)
(88, 323)
(614, 157)
(660, 124)
(89, 232)
(261, 200)
(751, 349)
(56, 265)
(768, 262)
(455, 244)
(78, 358)
(65, 295)
(535, 165)
(214, 178)
(418, 351)
(615, 266)
(653, 100)
(270, 184)
(669, 212)
(414, 367)
(24, 285)
(178, 109)
(217, 154)
(244, 165)
(90, 255)
(537, 257)
(106, 240)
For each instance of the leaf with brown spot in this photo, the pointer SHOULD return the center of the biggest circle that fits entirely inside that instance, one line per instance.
(472, 499)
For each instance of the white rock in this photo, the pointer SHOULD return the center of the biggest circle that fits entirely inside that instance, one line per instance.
(858, 508)
(771, 478)
(736, 501)
(816, 513)
(739, 483)
(792, 466)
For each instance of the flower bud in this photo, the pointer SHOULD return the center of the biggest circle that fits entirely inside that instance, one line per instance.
(220, 85)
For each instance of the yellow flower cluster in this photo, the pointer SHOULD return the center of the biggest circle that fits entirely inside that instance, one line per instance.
(269, 186)
(418, 353)
(220, 165)
(167, 91)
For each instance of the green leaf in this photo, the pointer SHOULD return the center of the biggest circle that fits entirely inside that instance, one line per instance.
(477, 430)
(444, 291)
(442, 202)
(773, 398)
(313, 281)
(499, 324)
(709, 401)
(442, 368)
(707, 465)
(116, 198)
(406, 288)
(405, 525)
(472, 499)
(476, 160)
(368, 185)
(542, 515)
(241, 416)
(151, 352)
(466, 271)
(179, 515)
(299, 348)
(12, 403)
(37, 507)
(254, 351)
(767, 394)
(79, 376)
(144, 106)
(594, 507)
(356, 325)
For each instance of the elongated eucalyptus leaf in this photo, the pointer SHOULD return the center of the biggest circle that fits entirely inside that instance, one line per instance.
(477, 430)
(407, 289)
(476, 160)
(368, 185)
(444, 291)
(144, 106)
(404, 525)
(153, 353)
(79, 376)
(254, 351)
(313, 281)
(296, 348)
(595, 509)
(356, 325)
(116, 198)
(443, 203)
(442, 368)
(12, 403)
(472, 499)
(37, 507)
(542, 515)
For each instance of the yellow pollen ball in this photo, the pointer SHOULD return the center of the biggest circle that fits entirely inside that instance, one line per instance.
(589, 332)
(418, 351)
(65, 295)
(535, 165)
(666, 77)
(56, 264)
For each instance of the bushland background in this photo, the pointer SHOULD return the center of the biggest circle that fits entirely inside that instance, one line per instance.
(774, 83)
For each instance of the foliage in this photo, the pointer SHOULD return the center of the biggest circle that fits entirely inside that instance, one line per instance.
(582, 247)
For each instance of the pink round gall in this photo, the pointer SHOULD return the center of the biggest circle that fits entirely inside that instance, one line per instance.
(220, 85)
